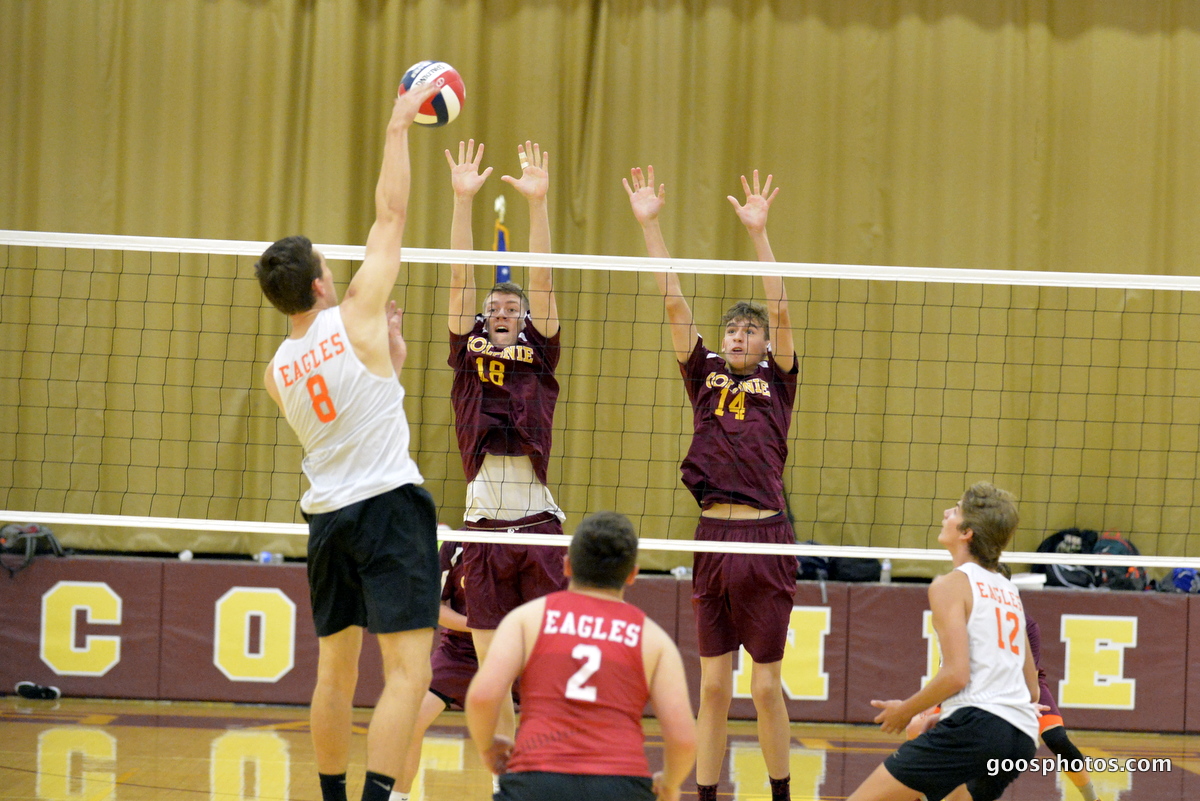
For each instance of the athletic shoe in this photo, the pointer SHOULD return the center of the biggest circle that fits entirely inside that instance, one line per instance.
(37, 692)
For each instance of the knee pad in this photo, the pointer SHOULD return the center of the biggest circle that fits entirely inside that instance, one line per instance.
(1056, 740)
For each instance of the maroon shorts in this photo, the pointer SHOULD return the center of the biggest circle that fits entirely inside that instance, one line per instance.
(744, 599)
(454, 665)
(499, 578)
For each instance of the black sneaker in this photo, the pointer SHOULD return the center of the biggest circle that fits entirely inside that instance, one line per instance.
(37, 692)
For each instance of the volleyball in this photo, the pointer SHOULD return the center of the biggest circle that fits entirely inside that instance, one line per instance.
(444, 106)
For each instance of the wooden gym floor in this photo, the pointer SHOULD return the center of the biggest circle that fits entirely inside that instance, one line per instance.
(99, 750)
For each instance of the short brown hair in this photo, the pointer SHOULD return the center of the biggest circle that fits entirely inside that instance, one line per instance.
(751, 312)
(603, 551)
(509, 288)
(991, 513)
(286, 272)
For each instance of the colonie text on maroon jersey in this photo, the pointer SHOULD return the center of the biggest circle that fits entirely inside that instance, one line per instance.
(740, 444)
(583, 690)
(504, 397)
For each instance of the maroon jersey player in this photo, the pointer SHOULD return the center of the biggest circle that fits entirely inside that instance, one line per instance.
(504, 394)
(453, 662)
(588, 663)
(742, 401)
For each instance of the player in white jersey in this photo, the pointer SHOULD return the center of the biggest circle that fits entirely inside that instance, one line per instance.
(987, 681)
(372, 546)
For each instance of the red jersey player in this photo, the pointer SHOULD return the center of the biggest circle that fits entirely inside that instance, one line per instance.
(742, 404)
(588, 664)
(504, 395)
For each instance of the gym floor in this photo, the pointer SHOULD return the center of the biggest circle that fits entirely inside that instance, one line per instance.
(101, 750)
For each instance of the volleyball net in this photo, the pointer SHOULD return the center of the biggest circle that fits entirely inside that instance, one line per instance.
(132, 395)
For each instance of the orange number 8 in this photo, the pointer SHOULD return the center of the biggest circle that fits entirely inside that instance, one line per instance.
(321, 402)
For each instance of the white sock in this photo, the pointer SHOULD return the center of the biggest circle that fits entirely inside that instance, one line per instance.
(398, 796)
(495, 783)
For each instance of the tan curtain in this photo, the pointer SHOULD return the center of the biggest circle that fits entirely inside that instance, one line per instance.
(960, 133)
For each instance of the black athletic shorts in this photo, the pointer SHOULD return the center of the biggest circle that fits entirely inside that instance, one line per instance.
(956, 751)
(375, 564)
(538, 785)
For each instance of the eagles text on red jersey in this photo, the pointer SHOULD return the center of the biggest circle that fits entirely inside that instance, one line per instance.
(325, 350)
(591, 627)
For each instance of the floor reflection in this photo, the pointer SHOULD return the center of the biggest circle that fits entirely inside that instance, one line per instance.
(77, 749)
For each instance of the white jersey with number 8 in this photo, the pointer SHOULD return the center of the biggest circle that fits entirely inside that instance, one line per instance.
(350, 422)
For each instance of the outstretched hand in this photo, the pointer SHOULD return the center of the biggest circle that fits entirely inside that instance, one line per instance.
(892, 719)
(534, 182)
(405, 109)
(465, 177)
(753, 213)
(645, 203)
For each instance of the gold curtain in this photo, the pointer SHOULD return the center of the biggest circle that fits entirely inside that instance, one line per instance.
(955, 133)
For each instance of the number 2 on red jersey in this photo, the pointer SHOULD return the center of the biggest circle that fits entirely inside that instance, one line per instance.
(576, 689)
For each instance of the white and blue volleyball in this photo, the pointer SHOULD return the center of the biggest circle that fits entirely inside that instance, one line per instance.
(445, 104)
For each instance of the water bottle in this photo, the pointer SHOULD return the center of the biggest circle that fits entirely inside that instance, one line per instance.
(885, 572)
(269, 558)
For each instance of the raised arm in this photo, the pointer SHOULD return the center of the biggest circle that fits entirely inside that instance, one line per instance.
(368, 291)
(466, 181)
(646, 205)
(753, 214)
(534, 183)
(672, 708)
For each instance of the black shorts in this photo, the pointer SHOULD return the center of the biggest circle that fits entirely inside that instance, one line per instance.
(375, 564)
(538, 785)
(956, 751)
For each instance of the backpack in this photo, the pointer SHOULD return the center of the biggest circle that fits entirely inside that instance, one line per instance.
(1118, 577)
(26, 541)
(812, 568)
(1068, 540)
(850, 568)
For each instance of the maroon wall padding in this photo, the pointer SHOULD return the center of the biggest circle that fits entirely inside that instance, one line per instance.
(1158, 663)
(886, 654)
(874, 649)
(807, 594)
(1192, 710)
(137, 582)
(190, 594)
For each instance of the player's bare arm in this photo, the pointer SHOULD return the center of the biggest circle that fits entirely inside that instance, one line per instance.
(449, 619)
(466, 180)
(646, 205)
(397, 347)
(366, 296)
(534, 184)
(672, 707)
(272, 387)
(753, 215)
(950, 603)
(505, 659)
(1031, 674)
